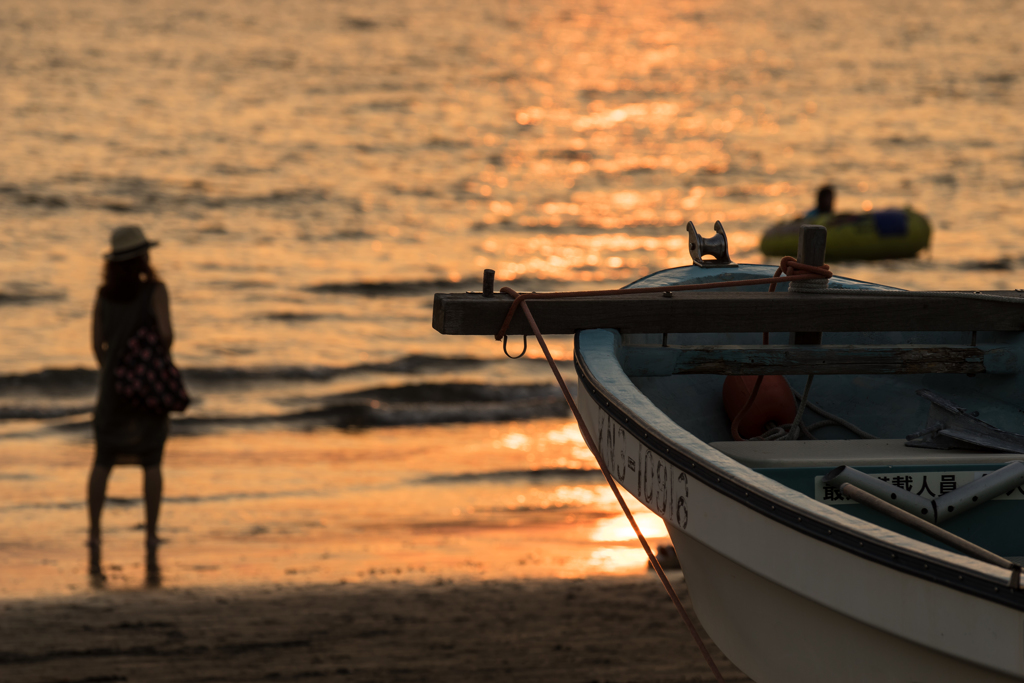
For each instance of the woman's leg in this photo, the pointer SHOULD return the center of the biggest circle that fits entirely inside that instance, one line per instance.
(97, 494)
(154, 489)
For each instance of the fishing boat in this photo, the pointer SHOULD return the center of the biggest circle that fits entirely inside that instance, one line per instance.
(894, 233)
(835, 547)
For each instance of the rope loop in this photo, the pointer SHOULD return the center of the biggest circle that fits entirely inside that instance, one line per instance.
(516, 303)
(504, 347)
(790, 267)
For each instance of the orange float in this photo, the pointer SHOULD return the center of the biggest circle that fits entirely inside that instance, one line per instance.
(773, 405)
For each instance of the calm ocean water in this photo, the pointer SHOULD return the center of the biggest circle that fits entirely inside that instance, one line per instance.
(314, 170)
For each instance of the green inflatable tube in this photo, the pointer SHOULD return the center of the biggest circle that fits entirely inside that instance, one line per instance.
(897, 233)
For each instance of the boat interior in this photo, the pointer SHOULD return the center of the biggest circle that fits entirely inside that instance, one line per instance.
(885, 406)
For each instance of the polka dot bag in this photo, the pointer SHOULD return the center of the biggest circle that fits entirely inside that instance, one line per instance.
(146, 377)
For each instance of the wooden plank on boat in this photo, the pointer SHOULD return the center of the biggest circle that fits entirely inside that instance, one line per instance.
(732, 311)
(655, 361)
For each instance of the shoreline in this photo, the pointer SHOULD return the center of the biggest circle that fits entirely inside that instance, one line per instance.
(476, 501)
(600, 629)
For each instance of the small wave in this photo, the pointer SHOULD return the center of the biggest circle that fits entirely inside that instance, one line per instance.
(241, 284)
(418, 287)
(434, 405)
(1004, 263)
(505, 475)
(42, 413)
(438, 142)
(408, 404)
(51, 381)
(289, 317)
(378, 414)
(418, 363)
(82, 380)
(360, 23)
(382, 288)
(15, 299)
(18, 293)
(453, 393)
(414, 364)
(20, 196)
(579, 227)
(131, 502)
(350, 234)
(123, 194)
(414, 190)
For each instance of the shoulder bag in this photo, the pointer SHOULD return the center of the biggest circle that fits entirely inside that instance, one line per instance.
(146, 377)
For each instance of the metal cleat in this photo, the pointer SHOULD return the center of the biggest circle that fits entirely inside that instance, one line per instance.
(717, 247)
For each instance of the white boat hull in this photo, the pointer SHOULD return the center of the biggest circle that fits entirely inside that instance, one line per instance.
(778, 580)
(776, 635)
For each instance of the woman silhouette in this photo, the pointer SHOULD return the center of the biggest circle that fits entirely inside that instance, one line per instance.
(131, 296)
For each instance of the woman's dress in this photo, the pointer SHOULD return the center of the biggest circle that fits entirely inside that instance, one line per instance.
(123, 429)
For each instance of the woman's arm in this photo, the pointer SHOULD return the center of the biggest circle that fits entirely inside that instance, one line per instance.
(162, 311)
(99, 346)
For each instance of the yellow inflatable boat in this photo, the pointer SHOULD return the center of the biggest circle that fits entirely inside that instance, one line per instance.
(895, 233)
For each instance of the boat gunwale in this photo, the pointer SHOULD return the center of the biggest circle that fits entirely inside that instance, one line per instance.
(766, 270)
(927, 562)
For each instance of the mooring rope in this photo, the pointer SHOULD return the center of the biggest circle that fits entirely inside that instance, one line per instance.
(790, 270)
(615, 489)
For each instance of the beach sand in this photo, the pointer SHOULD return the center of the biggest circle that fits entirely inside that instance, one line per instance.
(604, 629)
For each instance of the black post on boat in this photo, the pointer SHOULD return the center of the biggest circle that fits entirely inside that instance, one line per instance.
(810, 250)
(488, 287)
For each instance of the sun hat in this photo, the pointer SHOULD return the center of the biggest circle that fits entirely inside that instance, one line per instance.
(127, 242)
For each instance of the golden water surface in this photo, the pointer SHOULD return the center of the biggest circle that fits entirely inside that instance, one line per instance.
(314, 170)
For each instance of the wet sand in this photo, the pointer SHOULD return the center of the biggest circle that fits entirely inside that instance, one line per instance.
(491, 501)
(606, 629)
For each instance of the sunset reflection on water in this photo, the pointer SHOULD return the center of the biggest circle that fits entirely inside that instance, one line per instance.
(315, 175)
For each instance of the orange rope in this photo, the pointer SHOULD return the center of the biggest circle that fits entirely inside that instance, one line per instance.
(794, 272)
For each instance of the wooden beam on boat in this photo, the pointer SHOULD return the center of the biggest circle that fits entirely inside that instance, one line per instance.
(732, 311)
(655, 361)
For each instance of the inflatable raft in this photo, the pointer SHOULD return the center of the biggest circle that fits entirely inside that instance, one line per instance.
(894, 233)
